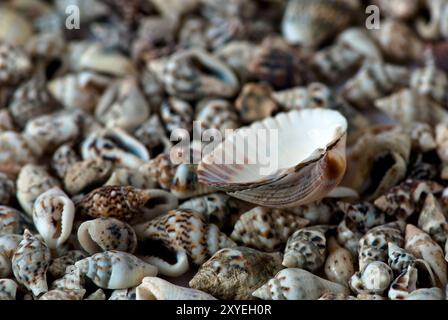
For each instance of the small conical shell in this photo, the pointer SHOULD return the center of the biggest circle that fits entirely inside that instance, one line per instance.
(153, 288)
(340, 265)
(306, 249)
(265, 228)
(422, 246)
(433, 221)
(8, 289)
(297, 284)
(53, 215)
(105, 234)
(115, 269)
(234, 273)
(30, 263)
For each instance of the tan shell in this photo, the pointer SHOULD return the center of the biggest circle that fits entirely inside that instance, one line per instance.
(16, 152)
(30, 263)
(153, 288)
(215, 207)
(97, 295)
(426, 294)
(14, 28)
(8, 245)
(84, 174)
(63, 158)
(266, 229)
(217, 114)
(315, 95)
(254, 102)
(441, 135)
(340, 265)
(32, 181)
(297, 284)
(71, 280)
(105, 234)
(115, 269)
(185, 232)
(422, 246)
(400, 9)
(53, 215)
(433, 221)
(152, 134)
(234, 273)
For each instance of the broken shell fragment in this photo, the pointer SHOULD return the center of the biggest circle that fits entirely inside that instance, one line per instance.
(297, 284)
(153, 288)
(115, 269)
(30, 263)
(105, 234)
(234, 273)
(300, 177)
(71, 280)
(53, 215)
(266, 229)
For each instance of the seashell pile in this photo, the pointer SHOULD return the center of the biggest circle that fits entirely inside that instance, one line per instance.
(112, 136)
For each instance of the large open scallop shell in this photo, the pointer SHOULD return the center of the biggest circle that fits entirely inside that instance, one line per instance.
(310, 149)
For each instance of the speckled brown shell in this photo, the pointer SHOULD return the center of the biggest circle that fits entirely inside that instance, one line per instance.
(15, 64)
(217, 114)
(84, 174)
(234, 273)
(59, 265)
(255, 103)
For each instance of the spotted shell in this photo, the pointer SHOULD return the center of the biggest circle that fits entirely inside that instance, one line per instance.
(214, 207)
(122, 105)
(115, 269)
(84, 174)
(217, 114)
(306, 249)
(16, 152)
(152, 134)
(12, 221)
(15, 64)
(30, 263)
(153, 288)
(63, 158)
(266, 229)
(373, 245)
(32, 181)
(297, 284)
(114, 202)
(7, 189)
(105, 234)
(339, 265)
(114, 144)
(53, 215)
(433, 221)
(234, 273)
(58, 294)
(405, 199)
(315, 95)
(373, 81)
(8, 289)
(187, 233)
(59, 265)
(399, 258)
(374, 279)
(422, 246)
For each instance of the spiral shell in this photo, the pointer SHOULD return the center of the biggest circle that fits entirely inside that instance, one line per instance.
(266, 229)
(185, 232)
(114, 144)
(234, 273)
(16, 152)
(84, 174)
(373, 245)
(53, 215)
(105, 234)
(374, 279)
(153, 288)
(32, 181)
(8, 289)
(422, 246)
(339, 265)
(297, 284)
(405, 199)
(114, 202)
(306, 249)
(30, 263)
(122, 105)
(115, 269)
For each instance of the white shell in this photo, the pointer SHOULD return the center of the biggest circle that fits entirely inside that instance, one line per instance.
(153, 288)
(339, 266)
(8, 289)
(426, 294)
(71, 280)
(309, 153)
(30, 263)
(374, 279)
(104, 234)
(115, 269)
(297, 284)
(53, 216)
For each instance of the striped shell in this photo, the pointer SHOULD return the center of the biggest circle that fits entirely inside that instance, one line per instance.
(153, 288)
(115, 269)
(266, 229)
(234, 273)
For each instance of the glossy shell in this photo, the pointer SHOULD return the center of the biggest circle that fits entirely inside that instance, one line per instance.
(153, 288)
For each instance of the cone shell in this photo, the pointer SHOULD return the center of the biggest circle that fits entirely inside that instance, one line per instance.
(297, 284)
(306, 249)
(53, 215)
(153, 288)
(422, 246)
(30, 263)
(234, 273)
(105, 234)
(299, 177)
(340, 265)
(32, 181)
(8, 289)
(266, 229)
(115, 269)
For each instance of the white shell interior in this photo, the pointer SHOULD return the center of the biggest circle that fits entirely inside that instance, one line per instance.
(301, 136)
